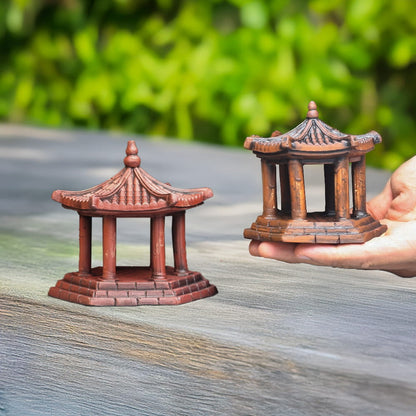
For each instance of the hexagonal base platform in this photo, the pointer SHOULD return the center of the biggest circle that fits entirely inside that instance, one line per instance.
(133, 286)
(317, 228)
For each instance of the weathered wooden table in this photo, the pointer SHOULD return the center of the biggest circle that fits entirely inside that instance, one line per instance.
(278, 339)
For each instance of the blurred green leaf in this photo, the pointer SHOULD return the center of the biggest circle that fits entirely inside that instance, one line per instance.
(403, 52)
(85, 44)
(254, 14)
(214, 71)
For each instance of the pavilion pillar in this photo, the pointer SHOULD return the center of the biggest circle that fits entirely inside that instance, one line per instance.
(85, 227)
(342, 196)
(157, 249)
(359, 188)
(297, 190)
(179, 243)
(268, 172)
(284, 188)
(329, 189)
(109, 246)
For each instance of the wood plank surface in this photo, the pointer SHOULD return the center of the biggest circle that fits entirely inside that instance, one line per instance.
(277, 339)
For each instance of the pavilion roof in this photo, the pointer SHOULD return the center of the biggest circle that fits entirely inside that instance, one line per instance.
(313, 136)
(132, 190)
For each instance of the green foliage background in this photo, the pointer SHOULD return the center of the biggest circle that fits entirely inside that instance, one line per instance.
(212, 70)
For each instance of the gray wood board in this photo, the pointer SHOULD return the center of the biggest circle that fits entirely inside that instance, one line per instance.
(278, 339)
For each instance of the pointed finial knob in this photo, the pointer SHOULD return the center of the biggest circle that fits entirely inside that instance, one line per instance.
(312, 111)
(132, 160)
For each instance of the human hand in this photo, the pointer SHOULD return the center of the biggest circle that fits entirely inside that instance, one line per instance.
(394, 251)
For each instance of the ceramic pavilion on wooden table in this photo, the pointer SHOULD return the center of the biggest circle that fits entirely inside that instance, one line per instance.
(314, 142)
(132, 193)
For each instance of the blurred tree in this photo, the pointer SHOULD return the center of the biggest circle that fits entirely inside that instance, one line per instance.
(214, 70)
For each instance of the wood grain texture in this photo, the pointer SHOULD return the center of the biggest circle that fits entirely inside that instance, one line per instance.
(278, 339)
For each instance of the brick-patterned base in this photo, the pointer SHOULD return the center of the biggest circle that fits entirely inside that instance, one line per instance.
(133, 286)
(316, 228)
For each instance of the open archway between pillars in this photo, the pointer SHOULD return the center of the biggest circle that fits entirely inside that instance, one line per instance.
(157, 246)
(337, 188)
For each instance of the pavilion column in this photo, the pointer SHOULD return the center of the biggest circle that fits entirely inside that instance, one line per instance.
(284, 188)
(329, 189)
(359, 188)
(109, 246)
(157, 249)
(179, 243)
(268, 172)
(342, 195)
(297, 190)
(85, 226)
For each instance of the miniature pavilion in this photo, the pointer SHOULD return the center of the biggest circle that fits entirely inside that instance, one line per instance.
(314, 142)
(132, 193)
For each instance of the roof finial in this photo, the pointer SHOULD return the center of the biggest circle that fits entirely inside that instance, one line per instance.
(312, 113)
(132, 160)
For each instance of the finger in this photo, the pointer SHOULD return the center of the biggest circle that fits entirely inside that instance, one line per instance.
(380, 253)
(350, 256)
(253, 247)
(403, 188)
(379, 205)
(403, 207)
(277, 251)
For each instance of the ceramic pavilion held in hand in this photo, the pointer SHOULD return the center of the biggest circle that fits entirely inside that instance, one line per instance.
(314, 142)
